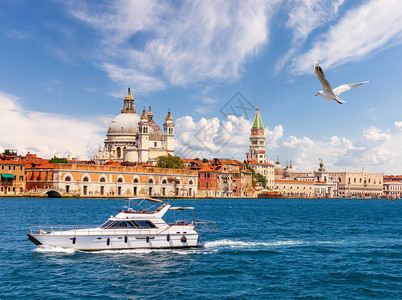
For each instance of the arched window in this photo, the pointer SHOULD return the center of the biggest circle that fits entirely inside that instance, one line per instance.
(85, 179)
(135, 180)
(102, 179)
(68, 178)
(164, 181)
(151, 180)
(120, 180)
(190, 182)
(118, 152)
(206, 185)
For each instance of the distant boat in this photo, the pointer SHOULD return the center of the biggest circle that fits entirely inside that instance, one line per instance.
(270, 195)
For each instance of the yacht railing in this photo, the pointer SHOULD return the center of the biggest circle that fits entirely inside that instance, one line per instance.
(205, 225)
(89, 230)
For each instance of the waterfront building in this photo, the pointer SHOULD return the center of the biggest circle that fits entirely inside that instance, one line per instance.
(12, 174)
(392, 186)
(135, 138)
(358, 184)
(324, 184)
(223, 178)
(88, 180)
(256, 157)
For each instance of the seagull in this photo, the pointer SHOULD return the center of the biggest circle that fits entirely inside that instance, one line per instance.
(329, 93)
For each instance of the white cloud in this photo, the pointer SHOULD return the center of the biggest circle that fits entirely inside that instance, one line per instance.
(304, 17)
(272, 136)
(398, 124)
(48, 134)
(376, 25)
(212, 137)
(375, 151)
(181, 43)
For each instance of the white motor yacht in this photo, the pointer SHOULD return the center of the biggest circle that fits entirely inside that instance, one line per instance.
(136, 227)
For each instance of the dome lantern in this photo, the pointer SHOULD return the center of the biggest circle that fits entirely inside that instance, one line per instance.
(128, 105)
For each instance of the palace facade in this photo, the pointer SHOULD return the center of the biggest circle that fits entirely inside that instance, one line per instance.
(113, 180)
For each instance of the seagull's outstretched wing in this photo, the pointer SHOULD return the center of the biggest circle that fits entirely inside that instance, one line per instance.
(346, 87)
(321, 77)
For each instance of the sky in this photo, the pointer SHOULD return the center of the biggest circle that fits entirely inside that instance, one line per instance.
(65, 67)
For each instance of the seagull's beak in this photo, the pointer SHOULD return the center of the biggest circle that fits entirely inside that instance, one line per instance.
(316, 95)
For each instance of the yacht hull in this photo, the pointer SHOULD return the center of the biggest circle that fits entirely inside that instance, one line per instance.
(115, 242)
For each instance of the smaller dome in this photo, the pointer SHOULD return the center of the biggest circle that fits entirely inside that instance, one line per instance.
(169, 116)
(144, 115)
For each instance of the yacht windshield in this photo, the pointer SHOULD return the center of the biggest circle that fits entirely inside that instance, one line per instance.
(128, 224)
(106, 224)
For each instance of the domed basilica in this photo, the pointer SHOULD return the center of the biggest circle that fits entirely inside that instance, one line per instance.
(135, 138)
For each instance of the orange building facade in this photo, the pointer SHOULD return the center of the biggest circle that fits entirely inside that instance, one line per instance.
(12, 176)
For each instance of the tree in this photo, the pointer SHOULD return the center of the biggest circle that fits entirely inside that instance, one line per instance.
(257, 177)
(205, 161)
(169, 162)
(57, 160)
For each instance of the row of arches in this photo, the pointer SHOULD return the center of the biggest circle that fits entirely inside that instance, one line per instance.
(103, 179)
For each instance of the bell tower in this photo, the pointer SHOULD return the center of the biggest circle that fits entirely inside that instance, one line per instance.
(257, 140)
(143, 138)
(168, 134)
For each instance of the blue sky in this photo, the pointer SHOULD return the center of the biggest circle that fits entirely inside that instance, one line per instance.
(65, 67)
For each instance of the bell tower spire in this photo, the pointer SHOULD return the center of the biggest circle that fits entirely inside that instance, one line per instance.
(257, 140)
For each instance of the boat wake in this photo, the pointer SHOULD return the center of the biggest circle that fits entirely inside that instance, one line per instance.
(240, 244)
(54, 249)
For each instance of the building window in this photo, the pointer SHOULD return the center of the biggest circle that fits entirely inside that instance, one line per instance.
(21, 178)
(119, 180)
(164, 181)
(14, 168)
(9, 168)
(2, 167)
(21, 168)
(155, 144)
(103, 180)
(85, 179)
(68, 178)
(102, 190)
(151, 180)
(135, 180)
(206, 185)
(355, 180)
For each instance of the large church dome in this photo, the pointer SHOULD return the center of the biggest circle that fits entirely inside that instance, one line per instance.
(124, 123)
